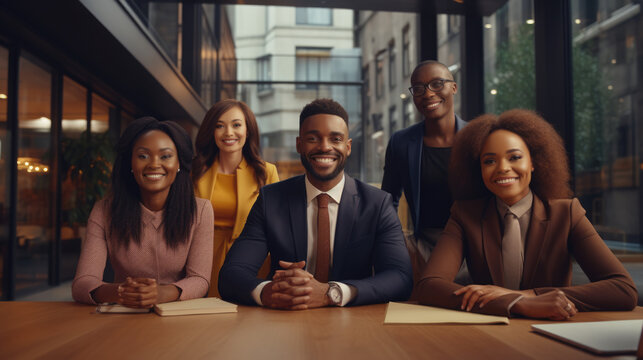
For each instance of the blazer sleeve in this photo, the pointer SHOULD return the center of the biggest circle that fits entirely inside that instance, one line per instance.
(93, 257)
(238, 275)
(437, 284)
(273, 176)
(198, 265)
(392, 179)
(611, 287)
(393, 275)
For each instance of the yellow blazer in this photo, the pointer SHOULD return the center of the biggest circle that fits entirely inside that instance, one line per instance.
(247, 189)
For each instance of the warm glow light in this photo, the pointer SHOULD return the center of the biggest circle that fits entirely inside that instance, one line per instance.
(613, 61)
(45, 169)
(610, 87)
(37, 168)
(493, 91)
(26, 163)
(402, 96)
(487, 26)
(3, 96)
(530, 21)
(577, 21)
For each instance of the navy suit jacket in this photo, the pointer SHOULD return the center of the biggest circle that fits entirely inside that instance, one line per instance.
(403, 166)
(369, 251)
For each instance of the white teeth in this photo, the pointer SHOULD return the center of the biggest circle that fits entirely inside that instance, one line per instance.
(325, 160)
(505, 181)
(433, 105)
(154, 176)
(230, 141)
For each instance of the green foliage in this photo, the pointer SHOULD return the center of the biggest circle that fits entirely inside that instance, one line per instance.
(515, 78)
(87, 164)
(515, 83)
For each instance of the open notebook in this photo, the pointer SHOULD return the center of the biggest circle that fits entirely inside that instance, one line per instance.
(209, 305)
(186, 307)
(600, 337)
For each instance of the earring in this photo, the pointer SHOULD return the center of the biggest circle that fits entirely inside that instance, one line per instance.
(179, 170)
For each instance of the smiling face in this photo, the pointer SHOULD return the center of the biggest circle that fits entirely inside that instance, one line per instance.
(434, 105)
(506, 166)
(230, 131)
(324, 146)
(155, 163)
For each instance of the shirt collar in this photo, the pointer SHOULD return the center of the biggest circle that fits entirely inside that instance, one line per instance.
(155, 218)
(519, 208)
(335, 193)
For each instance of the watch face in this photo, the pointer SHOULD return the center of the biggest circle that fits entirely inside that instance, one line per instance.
(335, 294)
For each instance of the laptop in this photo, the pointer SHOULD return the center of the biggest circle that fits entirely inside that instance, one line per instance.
(600, 337)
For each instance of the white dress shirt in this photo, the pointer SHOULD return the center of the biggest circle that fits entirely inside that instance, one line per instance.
(311, 219)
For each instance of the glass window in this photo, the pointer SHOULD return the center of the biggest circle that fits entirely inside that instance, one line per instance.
(102, 111)
(449, 45)
(35, 185)
(263, 72)
(314, 16)
(312, 64)
(509, 61)
(379, 74)
(392, 67)
(608, 117)
(406, 56)
(75, 148)
(5, 171)
(392, 120)
(407, 109)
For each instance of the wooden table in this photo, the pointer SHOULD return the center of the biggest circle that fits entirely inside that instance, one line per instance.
(67, 330)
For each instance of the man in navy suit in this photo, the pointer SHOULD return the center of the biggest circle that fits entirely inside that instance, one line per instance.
(417, 157)
(359, 259)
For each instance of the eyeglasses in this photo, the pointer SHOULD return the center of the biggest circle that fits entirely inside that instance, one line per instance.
(435, 86)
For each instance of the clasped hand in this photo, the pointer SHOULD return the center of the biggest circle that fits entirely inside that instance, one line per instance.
(553, 305)
(293, 288)
(138, 292)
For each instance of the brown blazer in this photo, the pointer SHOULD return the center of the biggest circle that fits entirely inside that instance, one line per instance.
(558, 230)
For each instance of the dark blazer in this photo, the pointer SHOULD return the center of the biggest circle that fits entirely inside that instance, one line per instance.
(369, 251)
(558, 230)
(403, 166)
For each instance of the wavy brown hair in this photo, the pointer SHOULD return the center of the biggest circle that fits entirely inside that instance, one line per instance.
(550, 179)
(207, 150)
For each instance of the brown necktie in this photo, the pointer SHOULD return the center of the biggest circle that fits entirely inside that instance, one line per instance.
(323, 239)
(511, 252)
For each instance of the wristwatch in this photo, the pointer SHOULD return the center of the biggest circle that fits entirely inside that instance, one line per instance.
(334, 294)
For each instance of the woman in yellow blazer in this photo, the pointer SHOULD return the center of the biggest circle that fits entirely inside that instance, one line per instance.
(228, 170)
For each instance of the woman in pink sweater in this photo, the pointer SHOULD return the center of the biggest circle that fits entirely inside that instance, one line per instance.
(157, 235)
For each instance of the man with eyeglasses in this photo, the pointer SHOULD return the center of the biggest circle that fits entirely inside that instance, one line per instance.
(417, 158)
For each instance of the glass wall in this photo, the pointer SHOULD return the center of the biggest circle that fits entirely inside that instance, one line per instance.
(74, 138)
(5, 166)
(606, 36)
(34, 228)
(509, 57)
(450, 37)
(287, 57)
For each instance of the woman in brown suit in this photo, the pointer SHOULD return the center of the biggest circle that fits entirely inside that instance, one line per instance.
(517, 226)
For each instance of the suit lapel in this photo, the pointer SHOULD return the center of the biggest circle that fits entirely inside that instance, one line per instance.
(492, 241)
(536, 238)
(346, 215)
(298, 223)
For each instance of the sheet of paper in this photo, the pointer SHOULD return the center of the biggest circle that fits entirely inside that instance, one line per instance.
(399, 313)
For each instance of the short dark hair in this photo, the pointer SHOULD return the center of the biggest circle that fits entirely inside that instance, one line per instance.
(550, 179)
(124, 208)
(323, 106)
(432, 62)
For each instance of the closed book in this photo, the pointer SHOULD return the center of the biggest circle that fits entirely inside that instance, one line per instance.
(107, 308)
(209, 305)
